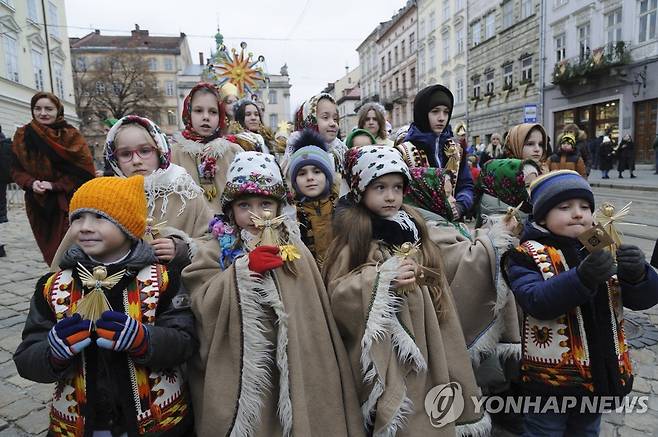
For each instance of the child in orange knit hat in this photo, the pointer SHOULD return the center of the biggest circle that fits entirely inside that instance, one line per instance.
(115, 365)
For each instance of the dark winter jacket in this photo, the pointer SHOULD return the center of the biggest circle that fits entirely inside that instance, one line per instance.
(565, 300)
(109, 393)
(605, 156)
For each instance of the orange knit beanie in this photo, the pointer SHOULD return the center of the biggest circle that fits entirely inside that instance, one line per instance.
(121, 200)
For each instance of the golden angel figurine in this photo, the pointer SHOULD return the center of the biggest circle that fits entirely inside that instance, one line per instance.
(404, 251)
(94, 303)
(271, 235)
(153, 230)
(607, 216)
(453, 152)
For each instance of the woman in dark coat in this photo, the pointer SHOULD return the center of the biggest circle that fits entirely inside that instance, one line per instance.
(50, 160)
(605, 156)
(626, 156)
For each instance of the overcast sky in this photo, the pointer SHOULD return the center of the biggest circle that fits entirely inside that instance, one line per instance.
(316, 38)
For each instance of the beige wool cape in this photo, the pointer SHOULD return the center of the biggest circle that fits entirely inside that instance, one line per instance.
(188, 154)
(484, 302)
(399, 349)
(270, 361)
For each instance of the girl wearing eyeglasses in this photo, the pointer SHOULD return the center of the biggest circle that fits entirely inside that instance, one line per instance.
(176, 207)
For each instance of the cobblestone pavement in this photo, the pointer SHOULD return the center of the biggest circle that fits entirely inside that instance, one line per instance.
(23, 404)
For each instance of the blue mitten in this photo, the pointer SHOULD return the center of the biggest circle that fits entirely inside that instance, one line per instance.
(118, 332)
(68, 338)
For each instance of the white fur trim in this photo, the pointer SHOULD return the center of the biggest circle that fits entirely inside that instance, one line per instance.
(487, 343)
(481, 428)
(164, 182)
(381, 322)
(255, 292)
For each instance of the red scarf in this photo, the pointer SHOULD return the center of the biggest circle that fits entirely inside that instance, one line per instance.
(189, 131)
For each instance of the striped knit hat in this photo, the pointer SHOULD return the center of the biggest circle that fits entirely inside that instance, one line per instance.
(555, 187)
(120, 200)
(310, 149)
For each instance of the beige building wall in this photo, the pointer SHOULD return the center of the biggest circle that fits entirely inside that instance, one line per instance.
(347, 94)
(369, 67)
(442, 49)
(24, 64)
(503, 65)
(397, 59)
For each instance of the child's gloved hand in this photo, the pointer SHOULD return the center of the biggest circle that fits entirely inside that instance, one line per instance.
(631, 264)
(68, 338)
(264, 258)
(118, 332)
(596, 268)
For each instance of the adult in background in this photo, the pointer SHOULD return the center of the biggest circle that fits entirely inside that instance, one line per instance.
(606, 156)
(626, 156)
(494, 150)
(50, 161)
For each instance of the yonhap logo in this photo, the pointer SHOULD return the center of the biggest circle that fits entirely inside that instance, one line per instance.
(444, 404)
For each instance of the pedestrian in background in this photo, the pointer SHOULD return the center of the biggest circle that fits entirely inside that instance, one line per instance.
(581, 143)
(567, 156)
(5, 178)
(606, 156)
(51, 160)
(626, 156)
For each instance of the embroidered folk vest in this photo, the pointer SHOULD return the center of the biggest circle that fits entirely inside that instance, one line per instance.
(159, 397)
(555, 352)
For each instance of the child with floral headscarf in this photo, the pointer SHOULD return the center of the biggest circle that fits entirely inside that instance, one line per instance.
(393, 305)
(270, 360)
(178, 213)
(199, 148)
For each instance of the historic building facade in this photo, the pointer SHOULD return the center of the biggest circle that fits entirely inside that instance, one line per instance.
(504, 68)
(33, 59)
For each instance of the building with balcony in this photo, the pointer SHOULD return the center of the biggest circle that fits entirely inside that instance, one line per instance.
(601, 63)
(442, 51)
(504, 74)
(368, 52)
(33, 60)
(397, 64)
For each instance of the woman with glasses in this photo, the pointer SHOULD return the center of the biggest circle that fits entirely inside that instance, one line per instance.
(178, 214)
(50, 161)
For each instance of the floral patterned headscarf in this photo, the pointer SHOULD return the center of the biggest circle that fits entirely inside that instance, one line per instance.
(161, 143)
(367, 163)
(254, 173)
(307, 114)
(189, 131)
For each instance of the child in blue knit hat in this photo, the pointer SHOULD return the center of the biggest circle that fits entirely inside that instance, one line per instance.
(572, 335)
(311, 172)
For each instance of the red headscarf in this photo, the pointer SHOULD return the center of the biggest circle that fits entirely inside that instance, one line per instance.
(189, 131)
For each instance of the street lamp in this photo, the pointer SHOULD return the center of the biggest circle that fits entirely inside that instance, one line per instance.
(640, 81)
